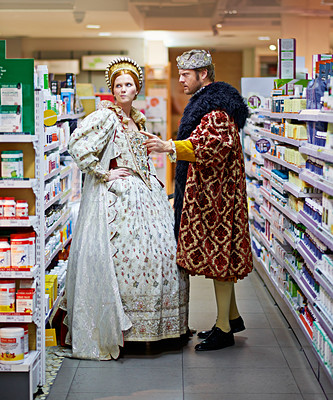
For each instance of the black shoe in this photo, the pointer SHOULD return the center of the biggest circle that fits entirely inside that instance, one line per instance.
(216, 340)
(236, 325)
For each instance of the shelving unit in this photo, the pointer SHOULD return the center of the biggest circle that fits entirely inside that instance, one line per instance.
(283, 237)
(21, 381)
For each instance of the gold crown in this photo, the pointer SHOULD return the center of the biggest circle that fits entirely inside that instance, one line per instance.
(119, 64)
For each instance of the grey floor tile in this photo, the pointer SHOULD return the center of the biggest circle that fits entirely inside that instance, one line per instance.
(295, 357)
(276, 320)
(70, 363)
(165, 360)
(135, 395)
(316, 396)
(63, 380)
(286, 337)
(249, 306)
(256, 337)
(243, 396)
(326, 382)
(57, 396)
(255, 321)
(125, 380)
(239, 380)
(250, 357)
(306, 381)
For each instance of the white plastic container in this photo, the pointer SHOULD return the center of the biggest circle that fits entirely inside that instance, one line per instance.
(19, 250)
(12, 164)
(7, 295)
(1, 206)
(9, 207)
(26, 337)
(4, 253)
(11, 345)
(21, 209)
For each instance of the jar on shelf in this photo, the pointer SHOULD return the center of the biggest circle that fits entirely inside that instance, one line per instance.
(21, 209)
(9, 207)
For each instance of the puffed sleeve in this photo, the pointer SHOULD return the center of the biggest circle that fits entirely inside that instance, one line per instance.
(89, 140)
(212, 140)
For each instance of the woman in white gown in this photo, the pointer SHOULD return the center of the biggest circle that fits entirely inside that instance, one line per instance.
(122, 280)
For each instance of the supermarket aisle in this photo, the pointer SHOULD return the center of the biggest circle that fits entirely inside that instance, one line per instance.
(266, 362)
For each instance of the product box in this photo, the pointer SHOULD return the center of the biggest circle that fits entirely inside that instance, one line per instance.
(49, 290)
(10, 119)
(54, 280)
(11, 95)
(67, 96)
(25, 301)
(287, 58)
(287, 86)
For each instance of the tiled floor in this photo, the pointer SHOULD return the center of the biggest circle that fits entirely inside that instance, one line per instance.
(266, 363)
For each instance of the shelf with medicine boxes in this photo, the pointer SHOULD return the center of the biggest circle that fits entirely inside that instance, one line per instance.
(36, 190)
(296, 188)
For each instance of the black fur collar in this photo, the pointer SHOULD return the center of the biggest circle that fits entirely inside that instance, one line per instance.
(215, 96)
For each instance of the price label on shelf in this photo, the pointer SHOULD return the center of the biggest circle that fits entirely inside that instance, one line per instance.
(5, 367)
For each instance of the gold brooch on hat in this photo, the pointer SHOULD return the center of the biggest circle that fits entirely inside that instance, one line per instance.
(122, 63)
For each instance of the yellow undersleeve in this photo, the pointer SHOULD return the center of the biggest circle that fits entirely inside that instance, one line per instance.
(184, 150)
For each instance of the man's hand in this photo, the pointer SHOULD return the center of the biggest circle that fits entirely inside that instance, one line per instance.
(118, 173)
(154, 143)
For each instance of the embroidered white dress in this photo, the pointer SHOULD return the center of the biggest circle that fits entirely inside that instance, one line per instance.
(122, 280)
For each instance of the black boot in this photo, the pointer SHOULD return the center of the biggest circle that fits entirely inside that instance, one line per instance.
(216, 340)
(236, 325)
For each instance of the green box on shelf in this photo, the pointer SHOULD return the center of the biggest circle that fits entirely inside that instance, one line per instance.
(286, 86)
(19, 70)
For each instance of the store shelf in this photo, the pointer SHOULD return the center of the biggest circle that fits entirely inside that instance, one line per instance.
(17, 183)
(65, 117)
(18, 223)
(19, 273)
(51, 146)
(295, 191)
(60, 221)
(16, 317)
(324, 320)
(52, 201)
(52, 174)
(323, 281)
(17, 138)
(282, 162)
(26, 366)
(65, 171)
(322, 153)
(317, 181)
(308, 257)
(289, 239)
(55, 306)
(283, 139)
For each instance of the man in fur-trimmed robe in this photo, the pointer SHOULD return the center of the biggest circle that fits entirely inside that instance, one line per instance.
(211, 216)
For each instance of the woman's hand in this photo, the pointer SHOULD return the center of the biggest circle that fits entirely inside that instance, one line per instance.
(118, 173)
(154, 143)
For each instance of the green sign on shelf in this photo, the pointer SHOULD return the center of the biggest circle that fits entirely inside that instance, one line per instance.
(20, 71)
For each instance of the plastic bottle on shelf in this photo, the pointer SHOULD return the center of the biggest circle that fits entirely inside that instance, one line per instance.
(4, 253)
(11, 345)
(22, 209)
(9, 207)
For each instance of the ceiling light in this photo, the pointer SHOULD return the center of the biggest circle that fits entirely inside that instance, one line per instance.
(272, 47)
(104, 34)
(93, 26)
(264, 38)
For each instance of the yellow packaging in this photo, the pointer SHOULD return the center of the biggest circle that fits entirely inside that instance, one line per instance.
(54, 280)
(49, 289)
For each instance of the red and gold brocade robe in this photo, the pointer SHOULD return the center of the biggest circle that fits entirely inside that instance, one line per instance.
(214, 235)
